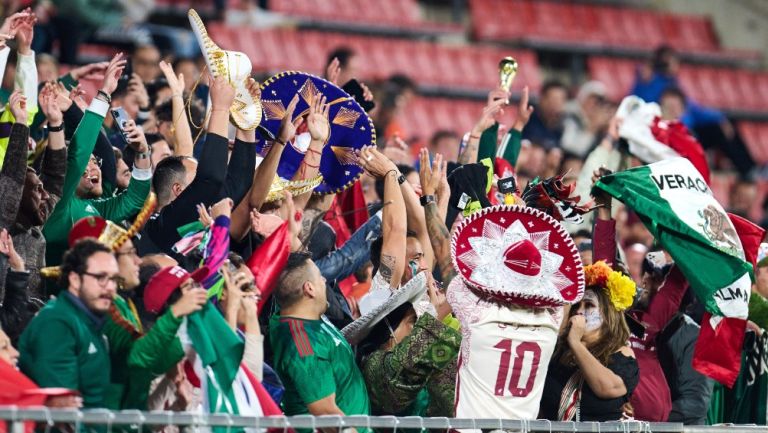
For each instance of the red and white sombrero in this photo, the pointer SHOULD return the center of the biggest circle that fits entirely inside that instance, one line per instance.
(518, 255)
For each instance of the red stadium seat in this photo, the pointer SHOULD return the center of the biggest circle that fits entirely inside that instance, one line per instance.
(755, 136)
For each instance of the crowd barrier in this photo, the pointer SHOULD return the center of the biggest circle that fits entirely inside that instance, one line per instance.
(16, 417)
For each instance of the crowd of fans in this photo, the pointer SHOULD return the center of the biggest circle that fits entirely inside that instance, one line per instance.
(99, 277)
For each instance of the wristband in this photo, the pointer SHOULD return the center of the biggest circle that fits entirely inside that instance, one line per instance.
(56, 128)
(391, 171)
(144, 155)
(279, 141)
(106, 96)
(426, 199)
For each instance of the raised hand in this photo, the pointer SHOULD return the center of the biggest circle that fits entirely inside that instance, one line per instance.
(12, 23)
(222, 94)
(430, 174)
(135, 136)
(497, 94)
(524, 111)
(317, 120)
(77, 95)
(223, 207)
(50, 106)
(91, 71)
(25, 32)
(375, 163)
(176, 83)
(491, 111)
(18, 105)
(437, 298)
(287, 126)
(112, 74)
(203, 216)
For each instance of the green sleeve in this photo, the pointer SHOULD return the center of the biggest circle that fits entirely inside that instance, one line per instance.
(68, 81)
(488, 140)
(125, 205)
(80, 149)
(310, 369)
(510, 146)
(159, 349)
(51, 365)
(399, 374)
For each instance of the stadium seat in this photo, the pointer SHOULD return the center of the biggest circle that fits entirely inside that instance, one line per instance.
(755, 136)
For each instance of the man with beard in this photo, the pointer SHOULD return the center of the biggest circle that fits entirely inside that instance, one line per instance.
(28, 198)
(64, 346)
(82, 183)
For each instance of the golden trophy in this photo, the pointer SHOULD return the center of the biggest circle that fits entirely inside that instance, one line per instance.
(507, 72)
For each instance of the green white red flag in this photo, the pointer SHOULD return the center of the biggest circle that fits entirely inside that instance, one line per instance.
(715, 252)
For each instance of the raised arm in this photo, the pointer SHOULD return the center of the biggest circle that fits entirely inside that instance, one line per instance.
(494, 109)
(417, 221)
(319, 130)
(393, 222)
(265, 174)
(26, 68)
(84, 137)
(15, 164)
(182, 133)
(242, 161)
(439, 236)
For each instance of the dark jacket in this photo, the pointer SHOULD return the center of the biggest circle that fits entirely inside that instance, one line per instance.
(690, 390)
(16, 310)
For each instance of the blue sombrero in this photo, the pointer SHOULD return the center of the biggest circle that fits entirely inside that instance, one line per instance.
(351, 128)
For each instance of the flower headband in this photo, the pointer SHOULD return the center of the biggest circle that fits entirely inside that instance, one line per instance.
(619, 287)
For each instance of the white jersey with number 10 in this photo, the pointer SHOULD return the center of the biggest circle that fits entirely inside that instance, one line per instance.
(505, 353)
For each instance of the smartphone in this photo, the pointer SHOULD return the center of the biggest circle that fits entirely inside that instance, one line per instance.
(121, 118)
(354, 88)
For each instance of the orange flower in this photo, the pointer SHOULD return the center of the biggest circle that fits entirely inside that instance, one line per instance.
(597, 274)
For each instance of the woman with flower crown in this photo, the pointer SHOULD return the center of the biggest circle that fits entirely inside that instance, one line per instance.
(593, 371)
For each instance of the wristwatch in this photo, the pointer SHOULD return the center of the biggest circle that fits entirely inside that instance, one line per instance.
(401, 179)
(56, 128)
(427, 199)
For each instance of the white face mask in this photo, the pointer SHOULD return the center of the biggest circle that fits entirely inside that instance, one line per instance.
(592, 315)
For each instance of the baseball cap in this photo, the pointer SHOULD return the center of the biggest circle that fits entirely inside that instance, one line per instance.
(165, 281)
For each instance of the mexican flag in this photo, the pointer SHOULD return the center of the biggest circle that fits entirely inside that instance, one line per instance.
(674, 202)
(227, 385)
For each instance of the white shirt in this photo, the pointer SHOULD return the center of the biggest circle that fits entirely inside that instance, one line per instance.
(505, 353)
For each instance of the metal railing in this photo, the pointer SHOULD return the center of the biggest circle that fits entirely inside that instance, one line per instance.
(102, 417)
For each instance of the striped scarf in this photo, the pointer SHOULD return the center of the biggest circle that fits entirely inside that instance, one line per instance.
(570, 399)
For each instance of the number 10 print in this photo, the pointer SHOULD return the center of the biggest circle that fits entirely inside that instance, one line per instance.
(501, 378)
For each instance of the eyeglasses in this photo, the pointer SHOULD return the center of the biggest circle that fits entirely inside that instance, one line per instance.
(131, 252)
(103, 279)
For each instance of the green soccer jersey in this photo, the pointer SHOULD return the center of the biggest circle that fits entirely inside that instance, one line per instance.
(314, 361)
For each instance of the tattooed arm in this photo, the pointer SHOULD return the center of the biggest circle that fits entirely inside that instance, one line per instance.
(439, 237)
(393, 220)
(432, 179)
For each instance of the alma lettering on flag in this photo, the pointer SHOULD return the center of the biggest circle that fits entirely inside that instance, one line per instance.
(674, 202)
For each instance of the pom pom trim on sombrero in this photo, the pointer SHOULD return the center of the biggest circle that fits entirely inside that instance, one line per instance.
(345, 156)
(502, 260)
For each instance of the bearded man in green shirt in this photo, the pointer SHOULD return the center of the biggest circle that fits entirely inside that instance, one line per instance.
(313, 359)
